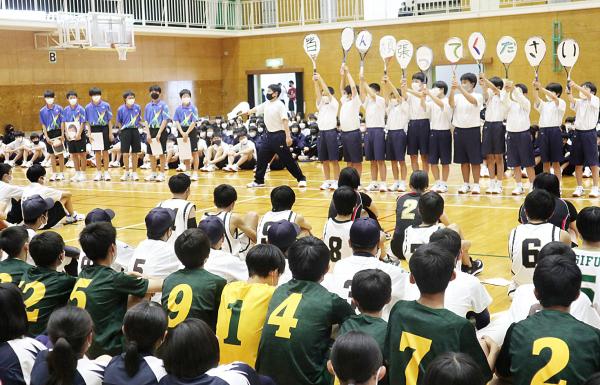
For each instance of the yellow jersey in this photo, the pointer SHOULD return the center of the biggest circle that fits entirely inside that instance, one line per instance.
(240, 320)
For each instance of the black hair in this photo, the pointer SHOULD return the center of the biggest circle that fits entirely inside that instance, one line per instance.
(548, 182)
(96, 239)
(46, 248)
(371, 289)
(190, 349)
(570, 119)
(68, 330)
(497, 82)
(588, 224)
(144, 325)
(441, 84)
(557, 281)
(470, 77)
(185, 91)
(224, 195)
(431, 266)
(556, 248)
(95, 91)
(355, 357)
(452, 368)
(19, 133)
(192, 248)
(522, 86)
(375, 87)
(348, 90)
(419, 180)
(128, 93)
(13, 317)
(331, 90)
(71, 93)
(349, 177)
(591, 86)
(263, 259)
(418, 76)
(12, 240)
(32, 136)
(344, 200)
(4, 169)
(431, 207)
(156, 88)
(275, 88)
(448, 239)
(308, 259)
(282, 198)
(556, 88)
(35, 172)
(179, 183)
(48, 94)
(539, 205)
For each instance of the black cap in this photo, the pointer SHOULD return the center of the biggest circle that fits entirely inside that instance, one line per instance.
(282, 234)
(34, 206)
(99, 215)
(364, 232)
(214, 228)
(158, 221)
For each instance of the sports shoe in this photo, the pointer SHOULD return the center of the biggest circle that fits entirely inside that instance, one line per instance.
(227, 168)
(29, 164)
(125, 176)
(324, 186)
(475, 268)
(394, 187)
(302, 183)
(443, 188)
(106, 176)
(52, 178)
(587, 172)
(499, 188)
(60, 176)
(204, 168)
(518, 190)
(150, 178)
(180, 168)
(492, 187)
(166, 167)
(69, 164)
(254, 185)
(402, 186)
(435, 187)
(11, 163)
(464, 189)
(383, 187)
(160, 177)
(145, 166)
(594, 193)
(484, 172)
(211, 168)
(82, 177)
(333, 185)
(372, 187)
(235, 168)
(134, 176)
(75, 177)
(578, 191)
(194, 176)
(475, 189)
(24, 165)
(98, 176)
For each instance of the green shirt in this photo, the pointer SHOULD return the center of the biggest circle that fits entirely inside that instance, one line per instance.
(192, 293)
(417, 334)
(373, 326)
(44, 290)
(550, 347)
(12, 269)
(297, 333)
(104, 293)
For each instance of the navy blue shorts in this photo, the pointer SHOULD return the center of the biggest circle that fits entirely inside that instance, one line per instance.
(440, 147)
(417, 138)
(551, 145)
(519, 149)
(375, 143)
(467, 145)
(493, 138)
(395, 145)
(328, 145)
(352, 146)
(584, 151)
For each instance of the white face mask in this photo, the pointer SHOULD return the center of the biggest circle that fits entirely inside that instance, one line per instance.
(363, 128)
(467, 86)
(73, 102)
(209, 134)
(130, 102)
(96, 98)
(416, 86)
(325, 99)
(223, 125)
(186, 100)
(202, 134)
(49, 101)
(260, 129)
(302, 125)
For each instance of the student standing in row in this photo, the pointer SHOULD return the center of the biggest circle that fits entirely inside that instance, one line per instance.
(129, 117)
(73, 124)
(327, 144)
(350, 122)
(186, 118)
(440, 138)
(156, 115)
(418, 125)
(98, 115)
(397, 124)
(374, 139)
(51, 119)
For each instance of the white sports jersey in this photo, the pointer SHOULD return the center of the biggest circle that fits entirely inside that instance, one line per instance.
(225, 265)
(415, 236)
(124, 254)
(236, 243)
(524, 244)
(589, 263)
(339, 281)
(336, 236)
(182, 210)
(271, 217)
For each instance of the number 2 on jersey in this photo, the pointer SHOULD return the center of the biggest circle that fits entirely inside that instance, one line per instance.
(38, 290)
(420, 346)
(283, 316)
(558, 360)
(179, 304)
(409, 209)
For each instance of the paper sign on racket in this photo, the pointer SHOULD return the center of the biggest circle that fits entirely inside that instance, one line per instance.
(240, 108)
(185, 149)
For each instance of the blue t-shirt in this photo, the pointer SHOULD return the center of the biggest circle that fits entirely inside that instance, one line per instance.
(156, 112)
(236, 373)
(129, 117)
(16, 360)
(186, 115)
(51, 117)
(98, 114)
(150, 372)
(88, 372)
(74, 114)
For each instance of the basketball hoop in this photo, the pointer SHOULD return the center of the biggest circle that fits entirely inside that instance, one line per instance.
(121, 50)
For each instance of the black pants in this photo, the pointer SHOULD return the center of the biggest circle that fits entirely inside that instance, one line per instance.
(275, 144)
(55, 214)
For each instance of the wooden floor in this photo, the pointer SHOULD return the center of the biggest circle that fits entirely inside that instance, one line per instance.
(485, 220)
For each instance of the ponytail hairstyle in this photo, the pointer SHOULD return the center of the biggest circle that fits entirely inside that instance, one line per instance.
(68, 328)
(144, 326)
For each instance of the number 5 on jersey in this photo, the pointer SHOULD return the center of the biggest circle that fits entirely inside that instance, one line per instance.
(78, 295)
(283, 316)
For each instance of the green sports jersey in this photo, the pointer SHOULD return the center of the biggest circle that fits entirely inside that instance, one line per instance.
(297, 333)
(373, 326)
(104, 293)
(417, 334)
(550, 347)
(44, 290)
(12, 269)
(192, 293)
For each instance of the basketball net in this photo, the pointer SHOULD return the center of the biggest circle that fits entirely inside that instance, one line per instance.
(121, 51)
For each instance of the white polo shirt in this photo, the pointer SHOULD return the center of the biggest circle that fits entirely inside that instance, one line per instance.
(327, 119)
(397, 115)
(415, 110)
(495, 111)
(517, 117)
(349, 113)
(41, 190)
(466, 115)
(551, 115)
(586, 113)
(440, 119)
(374, 112)
(274, 113)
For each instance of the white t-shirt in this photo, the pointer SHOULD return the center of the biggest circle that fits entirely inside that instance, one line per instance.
(398, 115)
(415, 110)
(441, 119)
(349, 118)
(225, 265)
(495, 111)
(9, 192)
(41, 190)
(551, 115)
(586, 113)
(374, 112)
(249, 145)
(327, 119)
(274, 113)
(466, 115)
(517, 117)
(589, 264)
(154, 258)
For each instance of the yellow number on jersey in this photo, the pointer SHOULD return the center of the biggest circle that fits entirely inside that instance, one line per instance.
(38, 291)
(420, 346)
(558, 360)
(79, 295)
(5, 278)
(408, 210)
(285, 321)
(180, 308)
